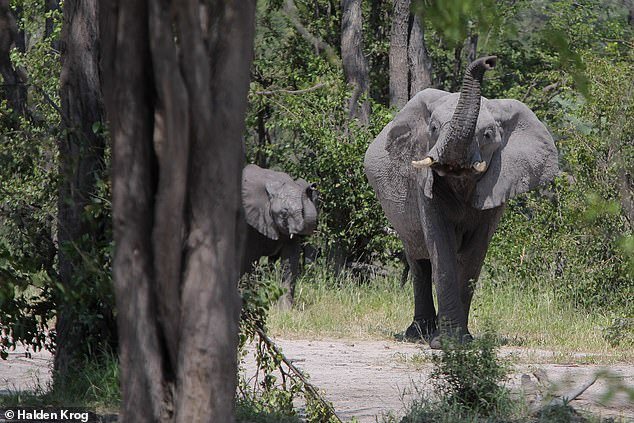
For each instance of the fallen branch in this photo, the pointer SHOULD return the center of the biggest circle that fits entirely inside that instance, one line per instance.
(572, 395)
(309, 387)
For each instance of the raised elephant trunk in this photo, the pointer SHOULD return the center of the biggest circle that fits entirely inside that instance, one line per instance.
(458, 148)
(310, 216)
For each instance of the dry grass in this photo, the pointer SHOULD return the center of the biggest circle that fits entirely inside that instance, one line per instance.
(378, 308)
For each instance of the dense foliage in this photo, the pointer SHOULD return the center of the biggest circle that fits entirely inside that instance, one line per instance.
(28, 182)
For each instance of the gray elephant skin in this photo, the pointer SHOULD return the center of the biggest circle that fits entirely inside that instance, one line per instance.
(278, 210)
(443, 170)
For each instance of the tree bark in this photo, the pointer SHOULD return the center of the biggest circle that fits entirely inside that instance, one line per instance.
(355, 65)
(471, 45)
(410, 63)
(457, 67)
(81, 155)
(13, 85)
(176, 85)
(399, 80)
(420, 64)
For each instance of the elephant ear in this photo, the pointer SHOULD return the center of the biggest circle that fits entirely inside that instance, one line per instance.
(388, 160)
(526, 159)
(256, 184)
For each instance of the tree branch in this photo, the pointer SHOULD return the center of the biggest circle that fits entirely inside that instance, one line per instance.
(285, 91)
(290, 10)
(309, 387)
(574, 394)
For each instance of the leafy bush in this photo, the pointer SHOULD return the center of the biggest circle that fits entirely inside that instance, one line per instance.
(470, 375)
(573, 236)
(468, 386)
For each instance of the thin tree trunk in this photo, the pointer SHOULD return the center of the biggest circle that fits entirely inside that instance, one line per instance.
(263, 137)
(81, 154)
(420, 64)
(399, 71)
(355, 65)
(13, 85)
(457, 67)
(176, 89)
(471, 44)
(51, 5)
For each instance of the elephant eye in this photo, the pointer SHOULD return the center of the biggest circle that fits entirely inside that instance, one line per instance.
(433, 128)
(488, 134)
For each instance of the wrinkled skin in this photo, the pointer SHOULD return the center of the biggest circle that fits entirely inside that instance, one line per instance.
(443, 170)
(278, 211)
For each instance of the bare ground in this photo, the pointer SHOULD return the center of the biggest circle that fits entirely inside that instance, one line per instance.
(364, 379)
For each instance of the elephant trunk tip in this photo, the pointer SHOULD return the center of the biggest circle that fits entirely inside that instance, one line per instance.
(477, 68)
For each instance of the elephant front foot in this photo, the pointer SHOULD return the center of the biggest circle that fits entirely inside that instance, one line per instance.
(420, 330)
(456, 336)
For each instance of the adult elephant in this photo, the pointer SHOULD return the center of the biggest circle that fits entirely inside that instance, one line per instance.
(443, 170)
(278, 210)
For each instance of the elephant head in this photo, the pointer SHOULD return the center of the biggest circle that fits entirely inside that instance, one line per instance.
(498, 143)
(276, 205)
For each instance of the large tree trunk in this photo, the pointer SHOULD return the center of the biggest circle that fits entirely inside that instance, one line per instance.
(81, 154)
(399, 81)
(420, 64)
(410, 64)
(176, 86)
(355, 65)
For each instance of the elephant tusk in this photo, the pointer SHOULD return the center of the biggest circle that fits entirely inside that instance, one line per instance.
(480, 167)
(421, 164)
(292, 235)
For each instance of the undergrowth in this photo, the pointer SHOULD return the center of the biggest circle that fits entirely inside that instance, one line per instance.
(376, 306)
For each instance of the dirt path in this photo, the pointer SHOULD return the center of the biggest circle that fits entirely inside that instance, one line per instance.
(24, 371)
(366, 378)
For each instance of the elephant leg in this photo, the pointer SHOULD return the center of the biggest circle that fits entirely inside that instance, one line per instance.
(440, 236)
(471, 258)
(289, 256)
(424, 324)
(468, 278)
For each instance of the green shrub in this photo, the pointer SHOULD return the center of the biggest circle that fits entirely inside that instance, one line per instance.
(471, 375)
(468, 386)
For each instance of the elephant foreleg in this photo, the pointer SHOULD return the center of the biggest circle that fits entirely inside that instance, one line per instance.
(440, 236)
(424, 324)
(471, 258)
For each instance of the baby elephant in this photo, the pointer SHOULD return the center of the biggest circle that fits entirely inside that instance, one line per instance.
(277, 209)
